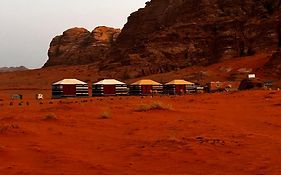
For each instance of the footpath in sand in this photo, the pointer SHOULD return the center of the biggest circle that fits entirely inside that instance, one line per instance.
(232, 133)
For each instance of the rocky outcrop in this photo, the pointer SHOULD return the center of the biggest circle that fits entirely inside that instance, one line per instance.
(168, 35)
(79, 46)
(173, 34)
(275, 62)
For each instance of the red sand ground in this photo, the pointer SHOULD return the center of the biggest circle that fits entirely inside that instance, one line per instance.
(233, 133)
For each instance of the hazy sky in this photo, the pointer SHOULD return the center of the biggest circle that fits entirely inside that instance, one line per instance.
(28, 26)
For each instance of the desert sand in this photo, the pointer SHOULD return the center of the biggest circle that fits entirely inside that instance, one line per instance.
(228, 133)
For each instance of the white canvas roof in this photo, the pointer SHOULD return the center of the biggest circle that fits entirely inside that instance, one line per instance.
(109, 82)
(69, 81)
(179, 82)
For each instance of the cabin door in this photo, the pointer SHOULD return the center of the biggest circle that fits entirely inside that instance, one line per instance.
(146, 89)
(69, 90)
(180, 89)
(109, 90)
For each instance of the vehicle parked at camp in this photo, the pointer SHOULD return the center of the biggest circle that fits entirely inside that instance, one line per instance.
(217, 86)
(16, 97)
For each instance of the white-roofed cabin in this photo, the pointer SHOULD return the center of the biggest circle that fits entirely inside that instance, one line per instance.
(109, 87)
(70, 88)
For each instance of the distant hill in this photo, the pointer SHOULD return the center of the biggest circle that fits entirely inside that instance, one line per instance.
(12, 69)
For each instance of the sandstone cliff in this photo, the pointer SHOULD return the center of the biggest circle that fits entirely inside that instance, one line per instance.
(79, 46)
(172, 34)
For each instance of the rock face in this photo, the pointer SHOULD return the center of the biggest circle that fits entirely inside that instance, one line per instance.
(173, 34)
(275, 62)
(79, 46)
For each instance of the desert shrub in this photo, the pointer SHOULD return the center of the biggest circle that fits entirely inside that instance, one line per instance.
(50, 117)
(2, 148)
(153, 106)
(105, 115)
(143, 108)
(5, 127)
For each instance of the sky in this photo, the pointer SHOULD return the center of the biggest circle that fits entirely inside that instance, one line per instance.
(28, 26)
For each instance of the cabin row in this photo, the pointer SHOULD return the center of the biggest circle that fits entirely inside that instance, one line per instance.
(112, 87)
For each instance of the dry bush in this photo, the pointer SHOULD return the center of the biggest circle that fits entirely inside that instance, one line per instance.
(5, 127)
(153, 106)
(143, 108)
(105, 115)
(50, 117)
(2, 148)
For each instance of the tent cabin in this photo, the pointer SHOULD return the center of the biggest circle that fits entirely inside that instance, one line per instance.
(109, 87)
(70, 88)
(146, 87)
(178, 87)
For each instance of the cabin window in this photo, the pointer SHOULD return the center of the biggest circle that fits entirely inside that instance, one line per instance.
(279, 40)
(279, 33)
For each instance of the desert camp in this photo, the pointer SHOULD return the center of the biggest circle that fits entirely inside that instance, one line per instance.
(144, 87)
(140, 87)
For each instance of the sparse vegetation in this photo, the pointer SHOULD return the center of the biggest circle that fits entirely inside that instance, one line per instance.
(105, 115)
(5, 127)
(50, 117)
(153, 106)
(2, 147)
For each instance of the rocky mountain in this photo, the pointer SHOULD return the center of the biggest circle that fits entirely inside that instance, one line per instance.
(12, 69)
(79, 46)
(173, 34)
(275, 62)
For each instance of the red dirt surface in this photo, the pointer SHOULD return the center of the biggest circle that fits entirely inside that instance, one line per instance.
(231, 133)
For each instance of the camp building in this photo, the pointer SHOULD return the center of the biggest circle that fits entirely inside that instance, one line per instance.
(178, 87)
(109, 87)
(146, 87)
(69, 88)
